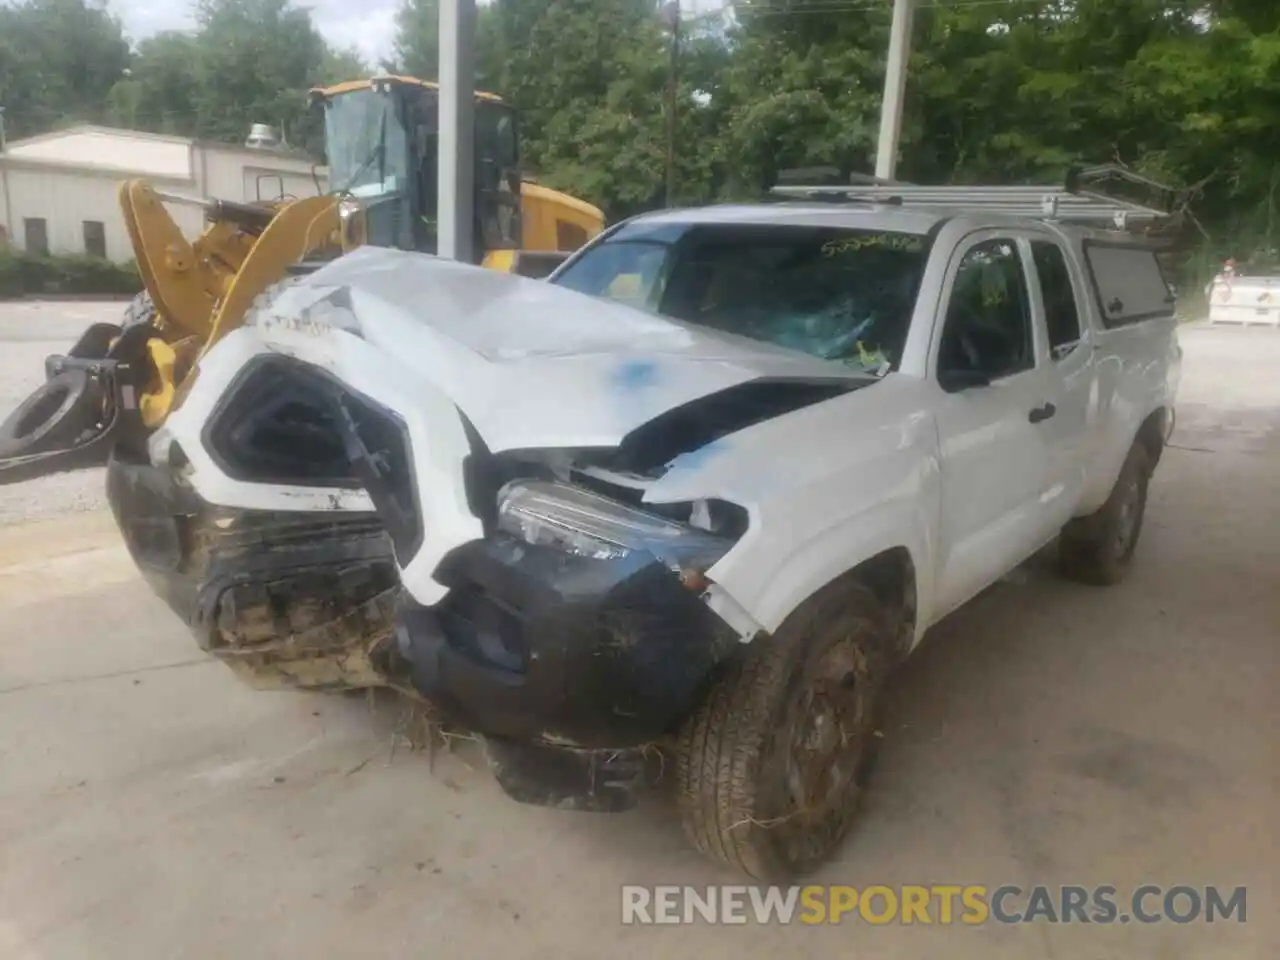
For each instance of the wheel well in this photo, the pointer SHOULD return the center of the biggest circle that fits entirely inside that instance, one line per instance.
(891, 577)
(1152, 433)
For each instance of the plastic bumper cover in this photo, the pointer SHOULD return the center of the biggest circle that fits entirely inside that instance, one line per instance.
(285, 599)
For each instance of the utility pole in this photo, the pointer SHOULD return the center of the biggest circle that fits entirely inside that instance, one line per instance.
(3, 142)
(671, 16)
(455, 231)
(895, 88)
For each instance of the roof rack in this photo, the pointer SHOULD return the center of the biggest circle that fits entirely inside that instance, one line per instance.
(1070, 203)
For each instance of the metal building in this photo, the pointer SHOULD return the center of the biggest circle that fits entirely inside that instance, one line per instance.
(58, 190)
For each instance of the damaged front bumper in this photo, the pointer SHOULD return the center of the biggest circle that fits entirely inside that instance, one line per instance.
(569, 666)
(287, 600)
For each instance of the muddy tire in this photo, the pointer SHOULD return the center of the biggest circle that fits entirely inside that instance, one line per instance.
(771, 766)
(1098, 549)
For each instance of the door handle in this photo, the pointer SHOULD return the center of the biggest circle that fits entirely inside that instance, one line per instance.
(1040, 414)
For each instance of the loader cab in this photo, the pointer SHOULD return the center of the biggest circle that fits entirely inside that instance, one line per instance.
(382, 141)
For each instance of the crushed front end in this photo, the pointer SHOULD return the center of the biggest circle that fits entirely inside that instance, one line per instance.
(570, 652)
(409, 473)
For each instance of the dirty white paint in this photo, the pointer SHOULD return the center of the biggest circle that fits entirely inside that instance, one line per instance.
(964, 481)
(531, 364)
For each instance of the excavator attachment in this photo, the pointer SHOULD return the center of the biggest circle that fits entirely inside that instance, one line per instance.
(120, 381)
(88, 403)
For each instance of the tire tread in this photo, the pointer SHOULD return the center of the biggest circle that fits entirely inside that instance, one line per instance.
(721, 749)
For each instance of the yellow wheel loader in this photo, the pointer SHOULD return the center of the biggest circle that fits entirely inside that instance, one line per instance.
(381, 141)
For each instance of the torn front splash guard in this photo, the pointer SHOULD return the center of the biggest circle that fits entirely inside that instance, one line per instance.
(572, 778)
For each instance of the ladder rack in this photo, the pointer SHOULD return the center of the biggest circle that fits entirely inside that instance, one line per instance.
(1033, 202)
(1073, 202)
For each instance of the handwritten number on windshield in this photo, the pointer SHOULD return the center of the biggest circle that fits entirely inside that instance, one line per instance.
(872, 241)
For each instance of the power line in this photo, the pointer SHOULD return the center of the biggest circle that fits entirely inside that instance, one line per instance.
(801, 7)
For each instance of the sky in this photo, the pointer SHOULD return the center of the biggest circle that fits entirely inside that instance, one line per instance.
(366, 25)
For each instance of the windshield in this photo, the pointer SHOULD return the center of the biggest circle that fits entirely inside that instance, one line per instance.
(365, 143)
(838, 294)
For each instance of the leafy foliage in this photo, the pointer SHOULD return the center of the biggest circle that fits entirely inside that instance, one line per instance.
(1186, 91)
(29, 275)
(57, 58)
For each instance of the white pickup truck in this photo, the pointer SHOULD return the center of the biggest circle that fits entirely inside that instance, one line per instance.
(695, 496)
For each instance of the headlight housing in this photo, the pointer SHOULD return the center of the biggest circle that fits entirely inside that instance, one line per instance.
(586, 524)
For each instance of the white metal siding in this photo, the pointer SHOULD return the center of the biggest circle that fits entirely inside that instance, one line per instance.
(264, 183)
(64, 199)
(231, 173)
(44, 182)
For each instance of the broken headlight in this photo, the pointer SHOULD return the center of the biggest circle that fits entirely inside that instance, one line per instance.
(586, 524)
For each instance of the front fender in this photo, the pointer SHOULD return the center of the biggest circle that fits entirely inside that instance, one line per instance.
(825, 488)
(787, 581)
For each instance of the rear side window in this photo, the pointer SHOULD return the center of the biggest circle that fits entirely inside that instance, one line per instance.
(1128, 283)
(1060, 311)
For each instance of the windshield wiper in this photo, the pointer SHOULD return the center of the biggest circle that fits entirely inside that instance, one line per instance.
(379, 153)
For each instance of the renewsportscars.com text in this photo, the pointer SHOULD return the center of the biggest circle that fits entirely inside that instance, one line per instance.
(940, 904)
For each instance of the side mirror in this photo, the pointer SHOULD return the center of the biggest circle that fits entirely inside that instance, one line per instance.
(953, 381)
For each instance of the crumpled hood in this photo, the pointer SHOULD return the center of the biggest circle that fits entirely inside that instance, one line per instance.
(530, 364)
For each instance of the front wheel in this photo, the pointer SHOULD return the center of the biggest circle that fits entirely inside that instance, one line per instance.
(771, 766)
(1098, 549)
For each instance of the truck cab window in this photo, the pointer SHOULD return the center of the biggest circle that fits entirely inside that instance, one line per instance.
(986, 334)
(1061, 314)
(838, 293)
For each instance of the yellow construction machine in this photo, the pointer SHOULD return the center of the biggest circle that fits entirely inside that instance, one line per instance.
(381, 143)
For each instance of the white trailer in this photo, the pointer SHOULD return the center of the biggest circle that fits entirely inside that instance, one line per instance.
(1246, 301)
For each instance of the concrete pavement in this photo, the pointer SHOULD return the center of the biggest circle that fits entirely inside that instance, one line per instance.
(151, 806)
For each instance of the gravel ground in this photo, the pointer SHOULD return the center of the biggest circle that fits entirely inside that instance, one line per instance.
(30, 331)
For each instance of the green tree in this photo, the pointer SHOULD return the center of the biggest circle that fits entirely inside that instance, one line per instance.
(57, 60)
(161, 90)
(417, 43)
(256, 60)
(1186, 91)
